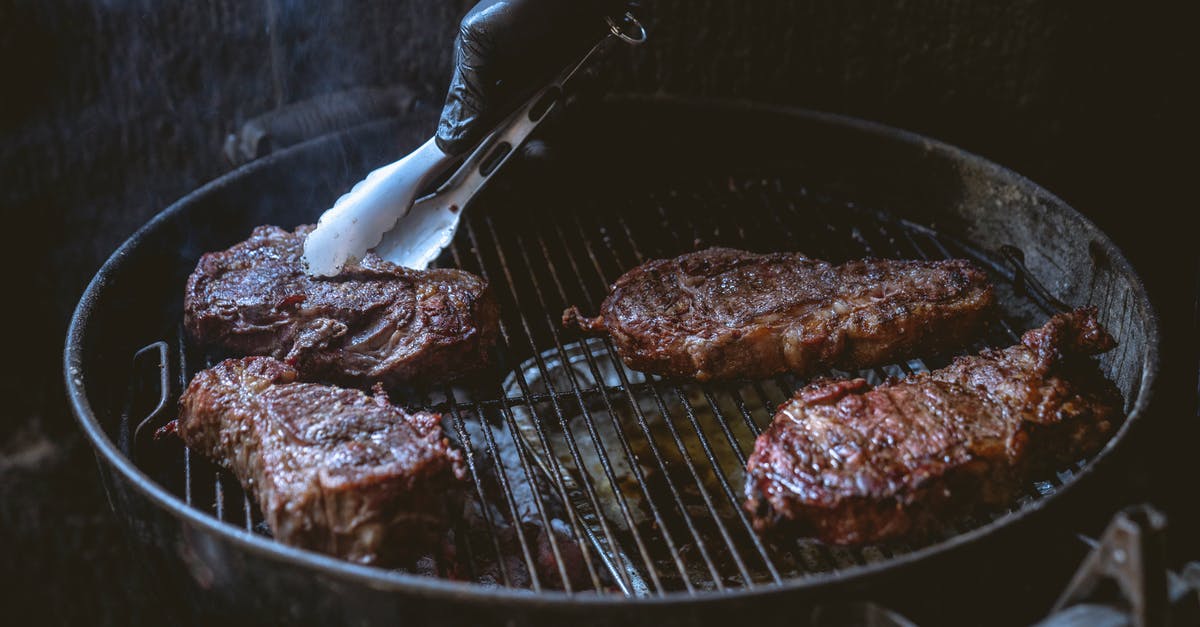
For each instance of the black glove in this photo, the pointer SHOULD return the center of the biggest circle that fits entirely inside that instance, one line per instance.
(505, 50)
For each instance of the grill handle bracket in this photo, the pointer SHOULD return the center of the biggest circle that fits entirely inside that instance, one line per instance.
(160, 350)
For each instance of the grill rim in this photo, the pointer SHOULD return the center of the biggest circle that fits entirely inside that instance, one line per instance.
(434, 588)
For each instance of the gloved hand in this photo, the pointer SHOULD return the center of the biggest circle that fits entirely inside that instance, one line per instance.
(505, 50)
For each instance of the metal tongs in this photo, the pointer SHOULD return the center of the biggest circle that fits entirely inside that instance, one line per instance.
(382, 211)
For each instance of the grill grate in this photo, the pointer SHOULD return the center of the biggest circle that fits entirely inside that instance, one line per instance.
(587, 476)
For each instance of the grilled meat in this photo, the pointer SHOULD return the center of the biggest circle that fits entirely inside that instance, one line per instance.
(849, 463)
(374, 322)
(722, 313)
(334, 470)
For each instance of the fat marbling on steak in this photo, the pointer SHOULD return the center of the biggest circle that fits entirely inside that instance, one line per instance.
(850, 463)
(333, 469)
(373, 322)
(722, 313)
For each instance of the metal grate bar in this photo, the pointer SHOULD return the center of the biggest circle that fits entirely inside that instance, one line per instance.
(852, 232)
(646, 432)
(247, 511)
(650, 507)
(219, 495)
(509, 399)
(601, 453)
(625, 387)
(825, 557)
(786, 240)
(1008, 334)
(513, 431)
(822, 557)
(833, 231)
(1028, 490)
(187, 476)
(473, 468)
(552, 460)
(686, 456)
(184, 377)
(838, 557)
(462, 536)
(555, 470)
(723, 424)
(510, 497)
(610, 551)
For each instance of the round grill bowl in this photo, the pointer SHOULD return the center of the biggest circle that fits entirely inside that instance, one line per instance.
(675, 152)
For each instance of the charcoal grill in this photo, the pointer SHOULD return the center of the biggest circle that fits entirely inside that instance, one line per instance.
(603, 494)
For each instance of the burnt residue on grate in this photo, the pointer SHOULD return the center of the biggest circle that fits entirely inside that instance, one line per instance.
(588, 476)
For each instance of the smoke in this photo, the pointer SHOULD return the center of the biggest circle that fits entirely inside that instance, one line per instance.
(326, 47)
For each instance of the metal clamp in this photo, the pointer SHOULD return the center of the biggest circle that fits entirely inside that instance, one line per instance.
(1129, 554)
(636, 33)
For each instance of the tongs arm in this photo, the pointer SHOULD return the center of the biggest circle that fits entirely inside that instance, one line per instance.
(418, 237)
(380, 213)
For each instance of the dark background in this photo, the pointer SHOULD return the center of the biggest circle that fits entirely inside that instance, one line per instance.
(112, 109)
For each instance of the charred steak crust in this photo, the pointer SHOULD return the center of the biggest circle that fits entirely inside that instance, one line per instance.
(850, 463)
(722, 313)
(373, 322)
(334, 470)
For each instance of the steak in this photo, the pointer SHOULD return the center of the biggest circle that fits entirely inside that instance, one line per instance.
(722, 313)
(333, 469)
(373, 322)
(850, 463)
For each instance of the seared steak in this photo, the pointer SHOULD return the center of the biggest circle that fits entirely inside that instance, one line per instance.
(374, 322)
(849, 463)
(722, 313)
(334, 470)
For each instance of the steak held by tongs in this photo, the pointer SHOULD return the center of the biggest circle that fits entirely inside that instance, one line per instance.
(333, 470)
(722, 313)
(850, 463)
(373, 322)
